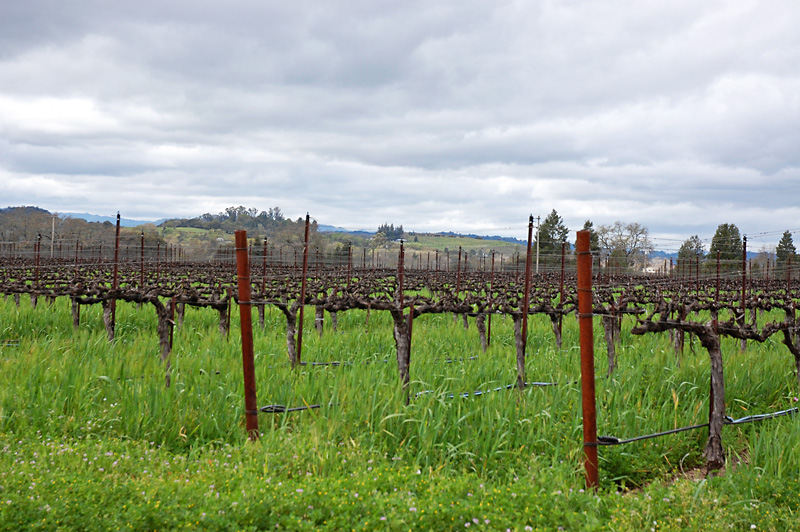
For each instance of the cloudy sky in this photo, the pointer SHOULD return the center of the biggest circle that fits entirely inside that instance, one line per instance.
(461, 115)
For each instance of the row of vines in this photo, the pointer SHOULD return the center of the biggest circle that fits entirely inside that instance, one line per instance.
(705, 308)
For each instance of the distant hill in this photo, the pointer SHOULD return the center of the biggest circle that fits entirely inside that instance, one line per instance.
(323, 228)
(509, 239)
(124, 222)
(363, 233)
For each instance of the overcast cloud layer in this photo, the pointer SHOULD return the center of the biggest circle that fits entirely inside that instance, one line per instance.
(460, 115)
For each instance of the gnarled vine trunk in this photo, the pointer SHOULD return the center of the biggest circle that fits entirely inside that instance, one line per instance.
(480, 323)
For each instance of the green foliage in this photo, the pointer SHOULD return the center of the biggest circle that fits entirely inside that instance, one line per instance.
(594, 239)
(690, 251)
(785, 251)
(391, 232)
(727, 242)
(92, 439)
(552, 233)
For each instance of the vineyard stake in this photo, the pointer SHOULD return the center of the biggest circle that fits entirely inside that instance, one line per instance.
(115, 280)
(141, 262)
(491, 289)
(524, 309)
(37, 249)
(349, 262)
(407, 378)
(302, 291)
(246, 321)
(744, 286)
(264, 269)
(458, 273)
(400, 274)
(587, 359)
(538, 219)
(561, 285)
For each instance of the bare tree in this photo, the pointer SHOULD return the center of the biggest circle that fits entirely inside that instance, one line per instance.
(627, 243)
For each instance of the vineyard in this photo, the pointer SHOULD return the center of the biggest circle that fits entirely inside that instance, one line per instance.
(437, 368)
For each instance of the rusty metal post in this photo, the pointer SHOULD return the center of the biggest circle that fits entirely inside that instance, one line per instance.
(788, 274)
(458, 272)
(115, 279)
(37, 247)
(527, 288)
(349, 262)
(264, 270)
(246, 321)
(141, 262)
(561, 284)
(491, 289)
(744, 286)
(587, 359)
(524, 307)
(400, 275)
(697, 272)
(302, 291)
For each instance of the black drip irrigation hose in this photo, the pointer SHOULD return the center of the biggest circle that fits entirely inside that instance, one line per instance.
(9, 343)
(383, 361)
(727, 420)
(483, 392)
(281, 409)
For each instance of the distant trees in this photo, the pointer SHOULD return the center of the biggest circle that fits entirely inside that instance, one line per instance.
(785, 251)
(626, 244)
(728, 242)
(594, 239)
(391, 232)
(24, 223)
(691, 250)
(378, 241)
(262, 224)
(552, 233)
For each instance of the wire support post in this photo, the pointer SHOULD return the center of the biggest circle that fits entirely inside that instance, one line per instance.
(587, 360)
(246, 320)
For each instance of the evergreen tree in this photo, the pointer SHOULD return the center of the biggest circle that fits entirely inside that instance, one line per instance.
(728, 242)
(391, 232)
(594, 239)
(786, 250)
(552, 233)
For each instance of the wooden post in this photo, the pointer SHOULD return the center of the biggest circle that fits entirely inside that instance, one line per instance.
(587, 359)
(246, 320)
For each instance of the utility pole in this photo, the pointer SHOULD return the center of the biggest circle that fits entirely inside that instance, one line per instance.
(537, 244)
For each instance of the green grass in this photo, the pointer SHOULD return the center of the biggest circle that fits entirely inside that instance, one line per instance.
(92, 439)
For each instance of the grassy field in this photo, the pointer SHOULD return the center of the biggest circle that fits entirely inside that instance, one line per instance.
(92, 440)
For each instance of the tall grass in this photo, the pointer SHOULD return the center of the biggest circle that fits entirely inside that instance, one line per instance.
(76, 384)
